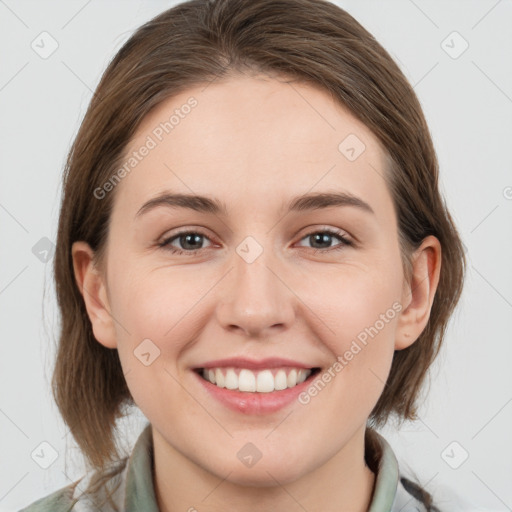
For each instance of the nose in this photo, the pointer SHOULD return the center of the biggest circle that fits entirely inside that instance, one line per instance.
(255, 297)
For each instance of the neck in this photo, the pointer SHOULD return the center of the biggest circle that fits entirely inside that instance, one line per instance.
(344, 482)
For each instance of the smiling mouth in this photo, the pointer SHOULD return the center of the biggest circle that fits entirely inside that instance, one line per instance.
(263, 381)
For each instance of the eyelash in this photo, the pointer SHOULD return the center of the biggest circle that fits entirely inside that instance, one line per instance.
(165, 244)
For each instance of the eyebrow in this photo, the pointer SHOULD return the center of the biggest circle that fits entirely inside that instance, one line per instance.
(203, 204)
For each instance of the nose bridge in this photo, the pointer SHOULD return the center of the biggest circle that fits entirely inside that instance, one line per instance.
(255, 297)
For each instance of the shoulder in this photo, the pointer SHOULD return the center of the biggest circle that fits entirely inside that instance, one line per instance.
(392, 491)
(59, 501)
(105, 491)
(97, 491)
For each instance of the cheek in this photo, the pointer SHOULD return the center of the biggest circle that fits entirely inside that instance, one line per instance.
(158, 303)
(361, 311)
(158, 313)
(156, 318)
(356, 305)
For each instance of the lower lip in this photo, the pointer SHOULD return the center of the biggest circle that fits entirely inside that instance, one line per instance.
(255, 403)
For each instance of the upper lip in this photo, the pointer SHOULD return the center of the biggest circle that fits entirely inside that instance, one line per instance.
(243, 362)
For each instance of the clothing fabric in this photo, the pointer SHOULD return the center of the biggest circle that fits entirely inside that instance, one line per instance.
(134, 488)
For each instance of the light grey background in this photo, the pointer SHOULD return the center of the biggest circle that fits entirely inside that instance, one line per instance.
(468, 104)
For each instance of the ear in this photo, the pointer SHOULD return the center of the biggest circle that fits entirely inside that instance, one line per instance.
(418, 294)
(93, 289)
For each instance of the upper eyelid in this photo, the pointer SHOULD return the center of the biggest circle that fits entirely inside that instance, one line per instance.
(166, 238)
(322, 229)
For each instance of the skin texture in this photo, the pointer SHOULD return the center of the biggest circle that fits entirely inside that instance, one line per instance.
(255, 142)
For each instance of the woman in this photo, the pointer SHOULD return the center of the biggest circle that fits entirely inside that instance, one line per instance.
(226, 142)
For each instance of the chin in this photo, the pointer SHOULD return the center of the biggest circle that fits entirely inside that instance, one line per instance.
(263, 473)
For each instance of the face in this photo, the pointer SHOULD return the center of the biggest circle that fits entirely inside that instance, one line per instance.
(255, 279)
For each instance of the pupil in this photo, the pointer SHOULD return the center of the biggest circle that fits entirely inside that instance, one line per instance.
(322, 237)
(197, 238)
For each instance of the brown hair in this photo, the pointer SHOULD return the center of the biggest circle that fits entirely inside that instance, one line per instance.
(311, 41)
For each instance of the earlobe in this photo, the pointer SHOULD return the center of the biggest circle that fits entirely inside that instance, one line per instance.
(92, 286)
(418, 295)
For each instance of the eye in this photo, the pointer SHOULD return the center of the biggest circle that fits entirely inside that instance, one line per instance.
(189, 240)
(324, 237)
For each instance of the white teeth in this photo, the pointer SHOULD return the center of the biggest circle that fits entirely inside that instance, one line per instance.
(231, 379)
(301, 377)
(246, 381)
(292, 379)
(219, 378)
(280, 381)
(264, 381)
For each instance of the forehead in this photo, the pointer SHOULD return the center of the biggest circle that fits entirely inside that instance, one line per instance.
(253, 136)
